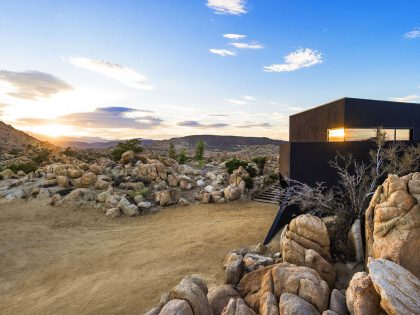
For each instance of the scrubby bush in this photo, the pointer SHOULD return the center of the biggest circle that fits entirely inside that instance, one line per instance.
(182, 158)
(1, 177)
(249, 183)
(274, 176)
(14, 152)
(260, 161)
(41, 156)
(26, 167)
(144, 192)
(133, 145)
(199, 151)
(357, 182)
(235, 163)
(172, 151)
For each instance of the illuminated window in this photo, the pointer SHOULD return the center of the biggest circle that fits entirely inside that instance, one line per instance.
(366, 134)
(336, 135)
(389, 134)
(402, 134)
(360, 134)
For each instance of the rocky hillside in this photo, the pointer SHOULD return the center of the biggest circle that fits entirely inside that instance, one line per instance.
(213, 142)
(222, 143)
(13, 139)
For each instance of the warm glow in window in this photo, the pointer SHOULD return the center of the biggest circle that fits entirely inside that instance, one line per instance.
(368, 134)
(336, 135)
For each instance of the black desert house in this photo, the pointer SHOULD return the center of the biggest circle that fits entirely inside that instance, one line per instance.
(347, 125)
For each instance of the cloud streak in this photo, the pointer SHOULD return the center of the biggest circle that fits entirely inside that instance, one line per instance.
(124, 75)
(408, 98)
(197, 124)
(234, 7)
(106, 118)
(235, 101)
(415, 33)
(301, 58)
(222, 52)
(246, 46)
(234, 36)
(33, 84)
(256, 125)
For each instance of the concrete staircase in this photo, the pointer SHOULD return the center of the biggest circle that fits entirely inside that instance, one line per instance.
(269, 195)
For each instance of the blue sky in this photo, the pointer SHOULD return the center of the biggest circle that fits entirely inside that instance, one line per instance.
(163, 68)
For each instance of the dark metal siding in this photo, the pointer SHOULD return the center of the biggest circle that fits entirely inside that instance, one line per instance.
(360, 113)
(312, 125)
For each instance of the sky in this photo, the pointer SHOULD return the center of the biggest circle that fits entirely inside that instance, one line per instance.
(167, 68)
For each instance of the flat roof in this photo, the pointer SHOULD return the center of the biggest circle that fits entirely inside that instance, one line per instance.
(351, 98)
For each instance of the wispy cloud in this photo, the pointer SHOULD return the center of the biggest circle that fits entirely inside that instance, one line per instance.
(415, 33)
(235, 7)
(235, 101)
(219, 115)
(222, 52)
(234, 36)
(246, 46)
(33, 84)
(251, 125)
(114, 71)
(408, 98)
(249, 98)
(197, 124)
(104, 118)
(301, 58)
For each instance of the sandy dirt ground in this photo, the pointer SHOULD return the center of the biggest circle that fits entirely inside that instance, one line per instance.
(67, 261)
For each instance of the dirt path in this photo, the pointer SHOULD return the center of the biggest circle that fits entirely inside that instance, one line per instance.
(65, 261)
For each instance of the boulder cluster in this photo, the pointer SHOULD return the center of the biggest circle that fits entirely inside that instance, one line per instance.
(301, 277)
(137, 183)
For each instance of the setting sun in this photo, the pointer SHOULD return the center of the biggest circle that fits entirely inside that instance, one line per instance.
(51, 130)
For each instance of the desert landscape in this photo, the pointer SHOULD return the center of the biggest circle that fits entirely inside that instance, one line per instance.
(209, 157)
(69, 260)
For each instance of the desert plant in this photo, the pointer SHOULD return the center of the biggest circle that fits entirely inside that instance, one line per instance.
(144, 192)
(172, 151)
(133, 145)
(357, 181)
(199, 151)
(182, 158)
(235, 163)
(41, 156)
(260, 161)
(25, 167)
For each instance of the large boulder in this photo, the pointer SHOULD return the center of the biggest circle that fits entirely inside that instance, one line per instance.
(393, 222)
(153, 171)
(168, 197)
(128, 208)
(7, 173)
(173, 180)
(193, 290)
(398, 288)
(237, 307)
(291, 304)
(177, 307)
(268, 304)
(127, 157)
(338, 303)
(232, 192)
(361, 296)
(220, 296)
(301, 281)
(88, 179)
(80, 197)
(305, 242)
(234, 268)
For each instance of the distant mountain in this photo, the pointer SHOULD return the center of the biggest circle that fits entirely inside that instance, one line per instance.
(213, 142)
(13, 139)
